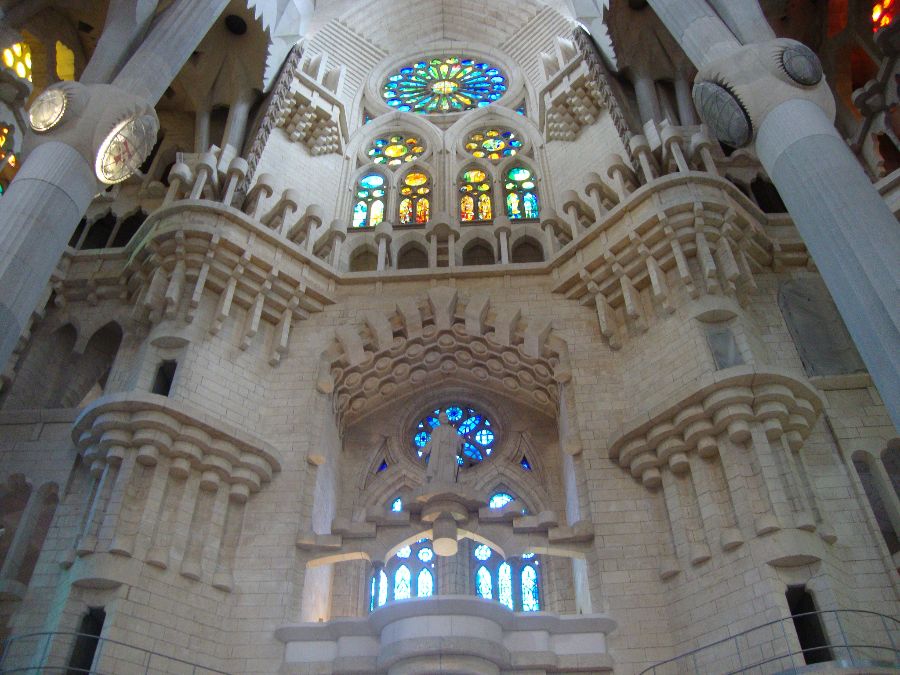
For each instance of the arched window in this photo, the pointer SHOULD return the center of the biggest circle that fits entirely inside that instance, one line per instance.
(364, 260)
(409, 574)
(493, 144)
(397, 505)
(412, 257)
(878, 478)
(475, 428)
(395, 150)
(415, 203)
(521, 194)
(514, 583)
(444, 85)
(527, 250)
(478, 252)
(500, 499)
(475, 199)
(369, 208)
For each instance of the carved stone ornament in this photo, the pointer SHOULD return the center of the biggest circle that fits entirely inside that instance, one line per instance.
(723, 113)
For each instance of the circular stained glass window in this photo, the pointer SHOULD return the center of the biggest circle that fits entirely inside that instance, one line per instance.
(482, 552)
(395, 150)
(493, 144)
(444, 85)
(474, 427)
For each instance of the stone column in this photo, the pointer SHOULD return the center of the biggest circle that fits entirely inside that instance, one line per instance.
(647, 99)
(24, 531)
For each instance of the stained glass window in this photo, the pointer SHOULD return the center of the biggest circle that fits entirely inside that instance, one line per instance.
(530, 600)
(402, 583)
(525, 463)
(424, 584)
(521, 194)
(444, 85)
(397, 504)
(475, 197)
(415, 202)
(395, 150)
(484, 583)
(409, 573)
(382, 467)
(493, 144)
(517, 580)
(504, 585)
(521, 109)
(369, 208)
(500, 499)
(17, 58)
(475, 428)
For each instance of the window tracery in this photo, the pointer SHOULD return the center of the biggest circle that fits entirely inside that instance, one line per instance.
(475, 200)
(521, 194)
(415, 202)
(514, 583)
(370, 198)
(410, 573)
(395, 150)
(444, 85)
(493, 144)
(474, 427)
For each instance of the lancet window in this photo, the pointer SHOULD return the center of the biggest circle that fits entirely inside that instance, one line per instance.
(475, 197)
(514, 583)
(368, 210)
(521, 194)
(410, 573)
(474, 427)
(415, 198)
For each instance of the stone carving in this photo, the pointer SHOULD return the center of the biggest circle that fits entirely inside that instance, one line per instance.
(442, 450)
(724, 114)
(801, 64)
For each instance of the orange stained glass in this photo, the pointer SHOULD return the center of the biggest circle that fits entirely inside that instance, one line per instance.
(883, 13)
(466, 208)
(416, 179)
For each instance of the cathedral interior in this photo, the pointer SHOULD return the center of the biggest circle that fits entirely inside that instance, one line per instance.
(449, 336)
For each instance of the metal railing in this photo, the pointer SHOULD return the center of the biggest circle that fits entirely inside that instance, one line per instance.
(853, 639)
(45, 653)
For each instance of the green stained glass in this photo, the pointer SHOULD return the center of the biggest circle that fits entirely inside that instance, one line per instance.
(521, 195)
(444, 85)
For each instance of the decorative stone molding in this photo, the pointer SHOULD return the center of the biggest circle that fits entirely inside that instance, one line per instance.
(725, 401)
(128, 440)
(438, 338)
(597, 70)
(573, 97)
(438, 633)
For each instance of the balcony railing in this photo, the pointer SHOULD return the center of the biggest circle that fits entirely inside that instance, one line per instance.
(853, 639)
(50, 653)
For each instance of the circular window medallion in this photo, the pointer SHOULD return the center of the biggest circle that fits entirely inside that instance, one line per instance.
(444, 85)
(474, 427)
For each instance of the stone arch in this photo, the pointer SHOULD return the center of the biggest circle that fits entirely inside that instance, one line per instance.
(525, 245)
(94, 363)
(43, 372)
(99, 231)
(413, 255)
(494, 116)
(361, 256)
(128, 227)
(475, 251)
(440, 336)
(390, 123)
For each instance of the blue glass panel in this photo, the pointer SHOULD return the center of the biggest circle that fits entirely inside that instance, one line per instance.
(402, 583)
(454, 413)
(404, 552)
(482, 552)
(468, 426)
(483, 583)
(382, 588)
(397, 505)
(422, 439)
(499, 500)
(372, 180)
(424, 584)
(504, 585)
(426, 555)
(485, 436)
(384, 465)
(472, 452)
(527, 556)
(530, 601)
(360, 211)
(372, 595)
(525, 464)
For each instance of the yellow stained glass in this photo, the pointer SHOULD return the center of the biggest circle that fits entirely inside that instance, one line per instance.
(474, 176)
(8, 58)
(18, 58)
(395, 150)
(65, 62)
(416, 179)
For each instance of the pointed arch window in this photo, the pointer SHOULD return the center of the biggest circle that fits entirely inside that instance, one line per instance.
(514, 583)
(415, 198)
(475, 197)
(410, 573)
(521, 194)
(368, 211)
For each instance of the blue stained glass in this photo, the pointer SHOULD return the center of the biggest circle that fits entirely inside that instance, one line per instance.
(483, 583)
(382, 588)
(397, 505)
(373, 180)
(525, 464)
(404, 552)
(372, 595)
(402, 583)
(360, 211)
(499, 500)
(434, 422)
(485, 437)
(422, 438)
(482, 552)
(426, 555)
(530, 601)
(504, 585)
(471, 451)
(383, 467)
(527, 556)
(424, 584)
(454, 413)
(442, 85)
(469, 425)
